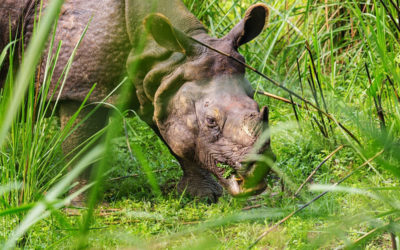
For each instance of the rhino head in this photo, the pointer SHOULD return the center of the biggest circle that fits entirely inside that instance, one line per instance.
(204, 107)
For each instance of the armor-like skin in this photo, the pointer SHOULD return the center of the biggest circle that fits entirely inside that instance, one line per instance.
(196, 99)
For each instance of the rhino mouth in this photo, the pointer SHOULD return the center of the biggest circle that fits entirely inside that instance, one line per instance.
(239, 180)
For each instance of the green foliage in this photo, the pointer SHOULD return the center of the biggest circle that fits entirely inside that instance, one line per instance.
(127, 171)
(345, 40)
(228, 169)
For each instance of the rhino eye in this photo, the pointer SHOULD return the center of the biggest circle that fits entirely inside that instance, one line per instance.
(211, 122)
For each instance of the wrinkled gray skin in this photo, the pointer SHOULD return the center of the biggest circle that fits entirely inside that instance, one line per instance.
(197, 100)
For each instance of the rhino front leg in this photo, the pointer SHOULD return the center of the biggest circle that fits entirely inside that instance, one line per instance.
(93, 124)
(198, 182)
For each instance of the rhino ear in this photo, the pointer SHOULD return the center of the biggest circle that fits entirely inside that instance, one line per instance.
(250, 26)
(166, 35)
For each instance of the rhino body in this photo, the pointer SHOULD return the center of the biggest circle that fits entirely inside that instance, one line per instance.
(197, 100)
(103, 53)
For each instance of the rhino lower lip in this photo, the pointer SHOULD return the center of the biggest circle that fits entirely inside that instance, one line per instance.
(233, 186)
(236, 187)
(234, 181)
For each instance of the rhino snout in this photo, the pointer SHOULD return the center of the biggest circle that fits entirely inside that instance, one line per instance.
(249, 177)
(255, 123)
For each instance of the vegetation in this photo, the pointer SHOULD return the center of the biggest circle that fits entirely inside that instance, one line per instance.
(341, 62)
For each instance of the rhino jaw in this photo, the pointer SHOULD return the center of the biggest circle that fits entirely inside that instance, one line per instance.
(237, 188)
(250, 181)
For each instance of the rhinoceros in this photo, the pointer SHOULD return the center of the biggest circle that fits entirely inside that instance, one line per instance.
(196, 99)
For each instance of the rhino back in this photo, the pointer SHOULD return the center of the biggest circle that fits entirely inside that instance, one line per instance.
(101, 57)
(11, 14)
(102, 53)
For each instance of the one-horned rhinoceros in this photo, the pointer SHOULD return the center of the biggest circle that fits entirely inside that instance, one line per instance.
(195, 98)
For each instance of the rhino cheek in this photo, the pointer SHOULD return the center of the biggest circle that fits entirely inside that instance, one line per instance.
(180, 129)
(183, 103)
(180, 126)
(191, 123)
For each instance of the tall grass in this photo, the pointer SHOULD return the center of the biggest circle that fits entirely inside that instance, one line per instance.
(30, 144)
(35, 181)
(343, 57)
(17, 123)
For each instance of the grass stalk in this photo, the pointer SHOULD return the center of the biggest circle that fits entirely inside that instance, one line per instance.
(321, 125)
(31, 59)
(279, 98)
(378, 107)
(373, 231)
(295, 112)
(394, 88)
(397, 25)
(314, 70)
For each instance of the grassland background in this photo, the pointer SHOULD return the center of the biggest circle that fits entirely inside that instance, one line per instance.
(345, 38)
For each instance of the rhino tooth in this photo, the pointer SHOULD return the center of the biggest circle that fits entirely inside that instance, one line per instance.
(238, 165)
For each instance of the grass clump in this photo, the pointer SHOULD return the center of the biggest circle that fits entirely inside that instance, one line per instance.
(228, 169)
